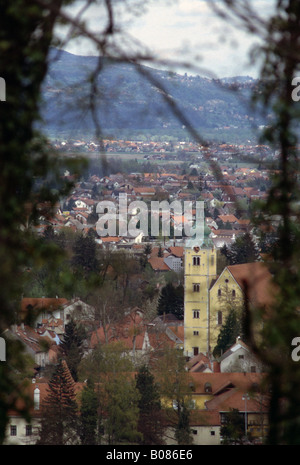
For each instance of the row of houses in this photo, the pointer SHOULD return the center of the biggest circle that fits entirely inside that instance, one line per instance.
(75, 211)
(212, 394)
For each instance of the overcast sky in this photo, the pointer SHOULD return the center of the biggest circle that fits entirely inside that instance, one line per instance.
(185, 31)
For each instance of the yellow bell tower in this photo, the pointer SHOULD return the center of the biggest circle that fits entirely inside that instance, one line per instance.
(200, 269)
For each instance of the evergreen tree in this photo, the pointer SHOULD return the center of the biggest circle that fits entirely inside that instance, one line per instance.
(243, 250)
(49, 233)
(88, 415)
(59, 423)
(171, 300)
(228, 333)
(147, 249)
(71, 347)
(150, 423)
(183, 432)
(160, 252)
(84, 259)
(233, 429)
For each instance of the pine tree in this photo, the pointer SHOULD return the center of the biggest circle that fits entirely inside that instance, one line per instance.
(150, 413)
(171, 300)
(243, 250)
(71, 347)
(160, 252)
(147, 249)
(228, 333)
(59, 424)
(88, 415)
(84, 259)
(183, 432)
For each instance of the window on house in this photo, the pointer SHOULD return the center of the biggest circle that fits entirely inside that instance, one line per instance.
(13, 430)
(196, 333)
(195, 350)
(192, 404)
(28, 430)
(194, 431)
(196, 314)
(207, 387)
(196, 261)
(233, 293)
(220, 317)
(212, 433)
(219, 292)
(196, 287)
(241, 357)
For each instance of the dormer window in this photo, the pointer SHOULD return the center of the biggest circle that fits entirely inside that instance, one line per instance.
(207, 387)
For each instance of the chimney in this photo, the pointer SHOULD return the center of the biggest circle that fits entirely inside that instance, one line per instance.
(216, 367)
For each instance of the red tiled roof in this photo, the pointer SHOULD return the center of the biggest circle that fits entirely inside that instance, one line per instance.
(221, 381)
(228, 218)
(131, 331)
(256, 280)
(158, 264)
(177, 251)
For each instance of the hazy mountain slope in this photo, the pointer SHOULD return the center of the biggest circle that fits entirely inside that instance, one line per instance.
(128, 100)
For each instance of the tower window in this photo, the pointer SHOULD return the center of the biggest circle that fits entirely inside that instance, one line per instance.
(196, 314)
(196, 287)
(233, 293)
(196, 261)
(196, 333)
(219, 292)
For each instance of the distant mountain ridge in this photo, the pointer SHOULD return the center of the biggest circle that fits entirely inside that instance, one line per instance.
(128, 100)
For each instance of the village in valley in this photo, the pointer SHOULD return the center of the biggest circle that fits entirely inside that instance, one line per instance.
(206, 282)
(150, 226)
(147, 327)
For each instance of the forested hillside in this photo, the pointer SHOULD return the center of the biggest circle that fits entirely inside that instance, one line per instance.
(127, 99)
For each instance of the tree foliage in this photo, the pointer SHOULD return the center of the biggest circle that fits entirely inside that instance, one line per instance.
(89, 415)
(233, 429)
(71, 346)
(59, 424)
(228, 334)
(150, 423)
(243, 250)
(171, 300)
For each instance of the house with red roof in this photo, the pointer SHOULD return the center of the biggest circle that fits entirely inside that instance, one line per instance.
(141, 338)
